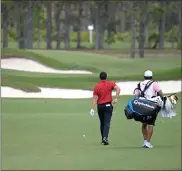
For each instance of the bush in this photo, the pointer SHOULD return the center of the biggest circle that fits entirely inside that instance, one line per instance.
(118, 37)
(125, 36)
(153, 40)
(172, 35)
(84, 36)
(12, 34)
(179, 46)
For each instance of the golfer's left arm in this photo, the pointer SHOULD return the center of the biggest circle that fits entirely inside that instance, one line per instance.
(118, 90)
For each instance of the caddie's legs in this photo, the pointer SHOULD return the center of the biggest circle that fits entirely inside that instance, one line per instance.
(144, 131)
(150, 125)
(149, 132)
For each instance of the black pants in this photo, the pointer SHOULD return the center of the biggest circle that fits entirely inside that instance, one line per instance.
(105, 114)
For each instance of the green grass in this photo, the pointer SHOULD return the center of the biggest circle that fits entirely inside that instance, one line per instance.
(47, 134)
(118, 69)
(126, 44)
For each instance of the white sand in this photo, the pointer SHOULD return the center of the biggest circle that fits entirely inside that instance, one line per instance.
(126, 89)
(33, 66)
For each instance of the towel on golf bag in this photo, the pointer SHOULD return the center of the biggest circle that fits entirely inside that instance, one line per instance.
(166, 111)
(140, 109)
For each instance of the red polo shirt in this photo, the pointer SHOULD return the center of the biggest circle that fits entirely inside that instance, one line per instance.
(104, 91)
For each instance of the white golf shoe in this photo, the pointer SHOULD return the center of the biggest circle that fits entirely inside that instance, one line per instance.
(147, 145)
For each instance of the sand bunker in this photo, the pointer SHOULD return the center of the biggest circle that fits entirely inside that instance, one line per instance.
(126, 89)
(46, 93)
(32, 66)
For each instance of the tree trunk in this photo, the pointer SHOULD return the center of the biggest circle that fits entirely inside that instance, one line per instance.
(133, 31)
(144, 20)
(146, 35)
(38, 33)
(25, 32)
(5, 26)
(30, 26)
(147, 21)
(21, 29)
(58, 23)
(180, 25)
(49, 24)
(162, 26)
(79, 25)
(19, 15)
(141, 37)
(99, 27)
(122, 20)
(67, 25)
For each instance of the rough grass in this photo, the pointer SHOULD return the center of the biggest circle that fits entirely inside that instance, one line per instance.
(48, 134)
(118, 69)
(125, 44)
(18, 84)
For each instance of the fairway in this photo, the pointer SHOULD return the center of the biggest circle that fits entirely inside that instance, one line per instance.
(63, 60)
(48, 134)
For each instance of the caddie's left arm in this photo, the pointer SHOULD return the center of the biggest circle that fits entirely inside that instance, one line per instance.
(158, 89)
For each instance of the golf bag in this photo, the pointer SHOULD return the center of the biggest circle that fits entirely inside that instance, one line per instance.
(141, 109)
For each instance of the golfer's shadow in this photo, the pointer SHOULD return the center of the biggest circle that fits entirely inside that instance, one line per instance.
(140, 147)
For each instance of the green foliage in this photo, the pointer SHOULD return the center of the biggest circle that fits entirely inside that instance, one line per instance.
(153, 40)
(172, 35)
(12, 34)
(179, 46)
(118, 37)
(157, 10)
(125, 36)
(84, 36)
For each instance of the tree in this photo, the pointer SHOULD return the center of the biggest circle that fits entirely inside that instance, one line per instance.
(144, 17)
(67, 24)
(49, 24)
(5, 24)
(123, 17)
(162, 25)
(57, 10)
(180, 24)
(133, 31)
(29, 24)
(111, 21)
(100, 10)
(38, 20)
(80, 10)
(19, 13)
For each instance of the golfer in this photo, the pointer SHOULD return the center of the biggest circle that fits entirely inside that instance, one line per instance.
(102, 96)
(152, 91)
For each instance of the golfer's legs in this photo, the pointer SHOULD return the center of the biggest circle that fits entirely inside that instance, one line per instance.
(101, 118)
(107, 120)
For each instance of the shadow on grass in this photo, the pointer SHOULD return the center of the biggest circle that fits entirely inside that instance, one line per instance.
(140, 147)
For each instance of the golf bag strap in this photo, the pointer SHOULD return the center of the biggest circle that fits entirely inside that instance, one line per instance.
(145, 88)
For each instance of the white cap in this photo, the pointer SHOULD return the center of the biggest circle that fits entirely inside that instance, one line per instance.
(148, 73)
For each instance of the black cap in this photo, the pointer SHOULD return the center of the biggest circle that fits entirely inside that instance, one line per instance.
(103, 75)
